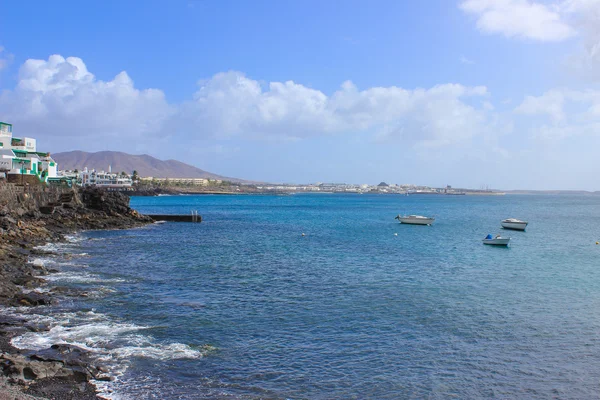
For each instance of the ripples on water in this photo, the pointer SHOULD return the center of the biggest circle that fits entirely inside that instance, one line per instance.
(243, 306)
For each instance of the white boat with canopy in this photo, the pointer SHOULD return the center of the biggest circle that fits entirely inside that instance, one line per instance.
(496, 240)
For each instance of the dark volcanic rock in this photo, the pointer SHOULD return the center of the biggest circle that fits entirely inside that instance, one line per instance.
(61, 389)
(110, 202)
(62, 371)
(32, 299)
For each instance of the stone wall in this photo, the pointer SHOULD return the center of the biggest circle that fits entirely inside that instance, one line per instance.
(30, 198)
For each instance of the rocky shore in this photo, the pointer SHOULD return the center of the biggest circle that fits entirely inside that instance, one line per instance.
(30, 217)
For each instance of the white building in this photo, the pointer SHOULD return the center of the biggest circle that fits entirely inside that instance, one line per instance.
(20, 160)
(104, 179)
(183, 181)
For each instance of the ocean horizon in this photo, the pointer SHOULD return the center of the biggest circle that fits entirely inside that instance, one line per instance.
(313, 296)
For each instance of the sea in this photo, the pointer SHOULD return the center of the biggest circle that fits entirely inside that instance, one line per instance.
(327, 296)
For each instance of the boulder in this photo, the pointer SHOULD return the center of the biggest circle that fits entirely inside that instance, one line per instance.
(32, 299)
(23, 369)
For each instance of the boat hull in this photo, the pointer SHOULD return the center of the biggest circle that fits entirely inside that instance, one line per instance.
(497, 242)
(515, 226)
(416, 221)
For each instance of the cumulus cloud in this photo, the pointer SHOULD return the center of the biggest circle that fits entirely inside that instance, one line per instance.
(550, 104)
(565, 113)
(547, 22)
(231, 104)
(59, 98)
(519, 18)
(585, 18)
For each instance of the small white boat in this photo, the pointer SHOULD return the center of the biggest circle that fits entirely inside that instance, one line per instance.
(514, 224)
(160, 222)
(415, 219)
(496, 240)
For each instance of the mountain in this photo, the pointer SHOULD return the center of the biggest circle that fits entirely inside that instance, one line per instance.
(144, 164)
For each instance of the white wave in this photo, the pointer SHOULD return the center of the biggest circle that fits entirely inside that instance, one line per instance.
(80, 277)
(100, 334)
(37, 290)
(148, 349)
(74, 238)
(39, 262)
(54, 248)
(91, 336)
(112, 343)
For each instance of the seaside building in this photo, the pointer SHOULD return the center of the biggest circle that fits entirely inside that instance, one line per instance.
(20, 162)
(103, 179)
(182, 181)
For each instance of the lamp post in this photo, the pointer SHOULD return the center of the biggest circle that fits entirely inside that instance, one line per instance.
(22, 162)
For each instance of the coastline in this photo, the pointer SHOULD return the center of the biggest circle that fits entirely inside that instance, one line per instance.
(178, 191)
(61, 371)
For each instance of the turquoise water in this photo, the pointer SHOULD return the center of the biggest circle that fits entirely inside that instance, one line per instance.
(244, 306)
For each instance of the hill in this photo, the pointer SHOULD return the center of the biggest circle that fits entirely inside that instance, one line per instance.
(144, 164)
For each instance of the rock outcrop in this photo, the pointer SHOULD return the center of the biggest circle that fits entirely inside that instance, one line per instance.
(30, 216)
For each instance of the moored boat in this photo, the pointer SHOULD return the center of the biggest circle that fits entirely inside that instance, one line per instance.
(514, 224)
(415, 219)
(496, 240)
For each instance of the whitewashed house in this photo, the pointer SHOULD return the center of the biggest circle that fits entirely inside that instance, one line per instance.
(20, 161)
(104, 179)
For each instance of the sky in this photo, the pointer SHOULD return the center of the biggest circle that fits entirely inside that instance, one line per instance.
(470, 93)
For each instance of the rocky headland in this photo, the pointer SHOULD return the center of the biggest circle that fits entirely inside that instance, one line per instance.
(30, 217)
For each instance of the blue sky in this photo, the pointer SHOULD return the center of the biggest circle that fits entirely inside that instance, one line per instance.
(469, 93)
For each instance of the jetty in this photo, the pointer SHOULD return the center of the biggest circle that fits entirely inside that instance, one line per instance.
(193, 216)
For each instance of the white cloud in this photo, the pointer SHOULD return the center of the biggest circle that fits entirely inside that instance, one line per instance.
(231, 104)
(550, 22)
(585, 18)
(519, 18)
(59, 97)
(568, 113)
(550, 103)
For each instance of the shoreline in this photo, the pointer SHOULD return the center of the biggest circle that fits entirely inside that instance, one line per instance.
(174, 191)
(61, 371)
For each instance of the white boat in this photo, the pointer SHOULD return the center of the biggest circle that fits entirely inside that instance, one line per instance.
(514, 224)
(496, 240)
(415, 219)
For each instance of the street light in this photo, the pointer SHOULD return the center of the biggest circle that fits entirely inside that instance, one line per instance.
(22, 162)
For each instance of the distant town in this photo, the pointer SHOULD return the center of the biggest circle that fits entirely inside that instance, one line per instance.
(22, 163)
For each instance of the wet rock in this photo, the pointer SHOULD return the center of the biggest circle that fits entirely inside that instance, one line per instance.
(33, 299)
(62, 371)
(23, 369)
(37, 327)
(28, 281)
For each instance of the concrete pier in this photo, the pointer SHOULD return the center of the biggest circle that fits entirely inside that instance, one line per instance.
(176, 218)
